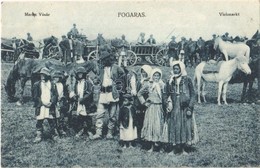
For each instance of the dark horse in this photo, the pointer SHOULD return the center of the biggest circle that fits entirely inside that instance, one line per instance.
(254, 64)
(51, 48)
(28, 69)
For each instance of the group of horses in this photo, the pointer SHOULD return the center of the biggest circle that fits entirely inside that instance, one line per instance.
(247, 62)
(46, 48)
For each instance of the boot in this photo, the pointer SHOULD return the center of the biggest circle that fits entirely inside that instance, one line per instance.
(62, 132)
(109, 134)
(97, 135)
(38, 137)
(55, 134)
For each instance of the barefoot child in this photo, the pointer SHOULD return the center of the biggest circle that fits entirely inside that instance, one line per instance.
(127, 120)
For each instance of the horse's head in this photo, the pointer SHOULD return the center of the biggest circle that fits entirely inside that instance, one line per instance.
(216, 42)
(243, 64)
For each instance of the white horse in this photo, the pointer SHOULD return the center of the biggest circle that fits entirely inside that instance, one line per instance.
(231, 49)
(227, 68)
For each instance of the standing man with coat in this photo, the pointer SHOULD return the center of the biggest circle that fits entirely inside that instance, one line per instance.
(65, 48)
(110, 78)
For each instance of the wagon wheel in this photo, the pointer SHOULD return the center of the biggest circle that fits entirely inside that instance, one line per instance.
(131, 58)
(92, 55)
(162, 57)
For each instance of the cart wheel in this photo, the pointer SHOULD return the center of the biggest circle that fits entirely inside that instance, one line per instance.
(131, 58)
(92, 55)
(162, 57)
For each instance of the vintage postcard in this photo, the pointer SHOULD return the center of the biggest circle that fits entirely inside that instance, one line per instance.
(130, 83)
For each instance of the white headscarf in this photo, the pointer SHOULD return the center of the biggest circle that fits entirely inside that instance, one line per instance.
(182, 66)
(183, 69)
(157, 85)
(147, 69)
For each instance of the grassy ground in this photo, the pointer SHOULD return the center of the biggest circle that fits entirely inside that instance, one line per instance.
(229, 136)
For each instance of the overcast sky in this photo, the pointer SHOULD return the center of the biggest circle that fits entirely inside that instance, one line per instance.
(163, 19)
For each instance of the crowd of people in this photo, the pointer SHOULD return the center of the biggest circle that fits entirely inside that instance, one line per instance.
(73, 46)
(146, 111)
(149, 112)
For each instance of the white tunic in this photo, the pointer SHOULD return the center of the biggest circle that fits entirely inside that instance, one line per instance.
(60, 95)
(46, 99)
(106, 98)
(81, 107)
(60, 90)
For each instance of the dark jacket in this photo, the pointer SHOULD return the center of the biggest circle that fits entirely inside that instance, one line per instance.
(37, 97)
(187, 93)
(151, 41)
(124, 116)
(173, 46)
(117, 75)
(65, 45)
(87, 95)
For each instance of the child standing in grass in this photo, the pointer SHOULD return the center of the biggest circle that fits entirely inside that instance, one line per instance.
(57, 77)
(153, 119)
(83, 95)
(127, 120)
(45, 98)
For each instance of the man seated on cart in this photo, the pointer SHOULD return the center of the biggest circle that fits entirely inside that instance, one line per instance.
(141, 39)
(151, 40)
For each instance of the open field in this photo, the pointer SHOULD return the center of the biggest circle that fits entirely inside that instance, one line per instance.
(229, 136)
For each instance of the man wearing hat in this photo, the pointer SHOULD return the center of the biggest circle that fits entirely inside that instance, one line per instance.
(74, 31)
(182, 48)
(214, 37)
(173, 47)
(66, 50)
(29, 37)
(151, 40)
(111, 79)
(45, 98)
(83, 95)
(123, 46)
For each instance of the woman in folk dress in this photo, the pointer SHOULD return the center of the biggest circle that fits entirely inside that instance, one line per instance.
(153, 120)
(182, 129)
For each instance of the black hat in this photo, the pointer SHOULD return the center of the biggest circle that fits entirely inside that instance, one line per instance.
(57, 74)
(128, 96)
(45, 71)
(104, 55)
(80, 70)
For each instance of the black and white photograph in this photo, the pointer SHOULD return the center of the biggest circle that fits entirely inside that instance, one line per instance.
(130, 83)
